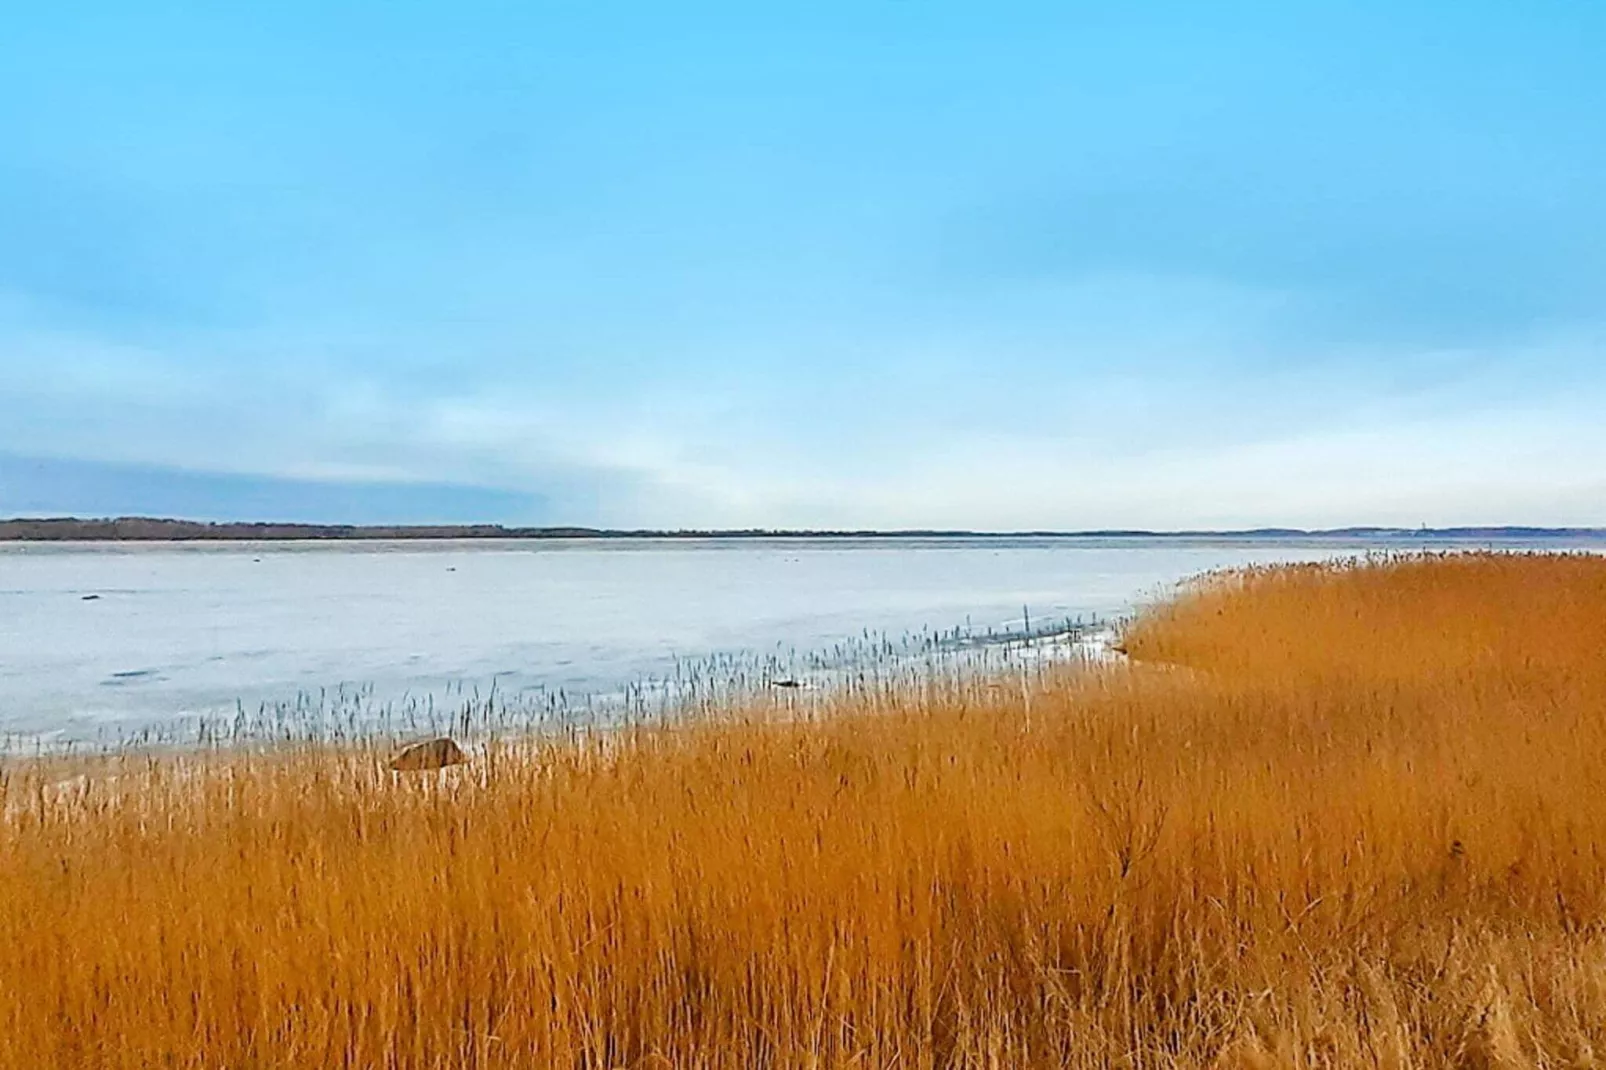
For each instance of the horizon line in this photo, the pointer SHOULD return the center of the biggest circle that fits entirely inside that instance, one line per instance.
(159, 529)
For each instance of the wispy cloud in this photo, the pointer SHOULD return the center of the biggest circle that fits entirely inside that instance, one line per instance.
(933, 267)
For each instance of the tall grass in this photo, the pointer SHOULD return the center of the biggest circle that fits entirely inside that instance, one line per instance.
(1328, 816)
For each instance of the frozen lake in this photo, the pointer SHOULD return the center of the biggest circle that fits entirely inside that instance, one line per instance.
(103, 640)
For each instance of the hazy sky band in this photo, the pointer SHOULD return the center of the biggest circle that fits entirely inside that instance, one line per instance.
(983, 266)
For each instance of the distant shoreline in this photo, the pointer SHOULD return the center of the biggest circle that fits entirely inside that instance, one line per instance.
(150, 529)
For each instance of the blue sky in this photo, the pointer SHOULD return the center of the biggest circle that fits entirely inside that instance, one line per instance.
(837, 264)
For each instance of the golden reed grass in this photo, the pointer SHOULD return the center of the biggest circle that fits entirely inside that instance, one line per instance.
(1330, 816)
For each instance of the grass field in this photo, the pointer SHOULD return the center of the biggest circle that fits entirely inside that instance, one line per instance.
(1328, 816)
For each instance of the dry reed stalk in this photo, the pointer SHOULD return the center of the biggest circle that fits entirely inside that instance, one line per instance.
(1365, 828)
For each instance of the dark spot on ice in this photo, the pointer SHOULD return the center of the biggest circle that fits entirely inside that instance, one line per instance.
(129, 676)
(91, 598)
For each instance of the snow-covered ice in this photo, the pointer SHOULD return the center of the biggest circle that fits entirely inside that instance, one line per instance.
(113, 638)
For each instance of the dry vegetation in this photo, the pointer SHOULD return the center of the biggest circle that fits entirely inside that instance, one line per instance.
(1332, 816)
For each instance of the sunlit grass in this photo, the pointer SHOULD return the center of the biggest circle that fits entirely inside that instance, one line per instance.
(1330, 815)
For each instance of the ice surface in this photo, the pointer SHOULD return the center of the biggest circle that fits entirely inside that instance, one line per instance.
(110, 638)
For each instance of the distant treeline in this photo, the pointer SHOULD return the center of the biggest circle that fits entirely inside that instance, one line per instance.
(148, 529)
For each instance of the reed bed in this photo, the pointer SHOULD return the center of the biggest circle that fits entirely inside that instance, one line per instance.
(1327, 815)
